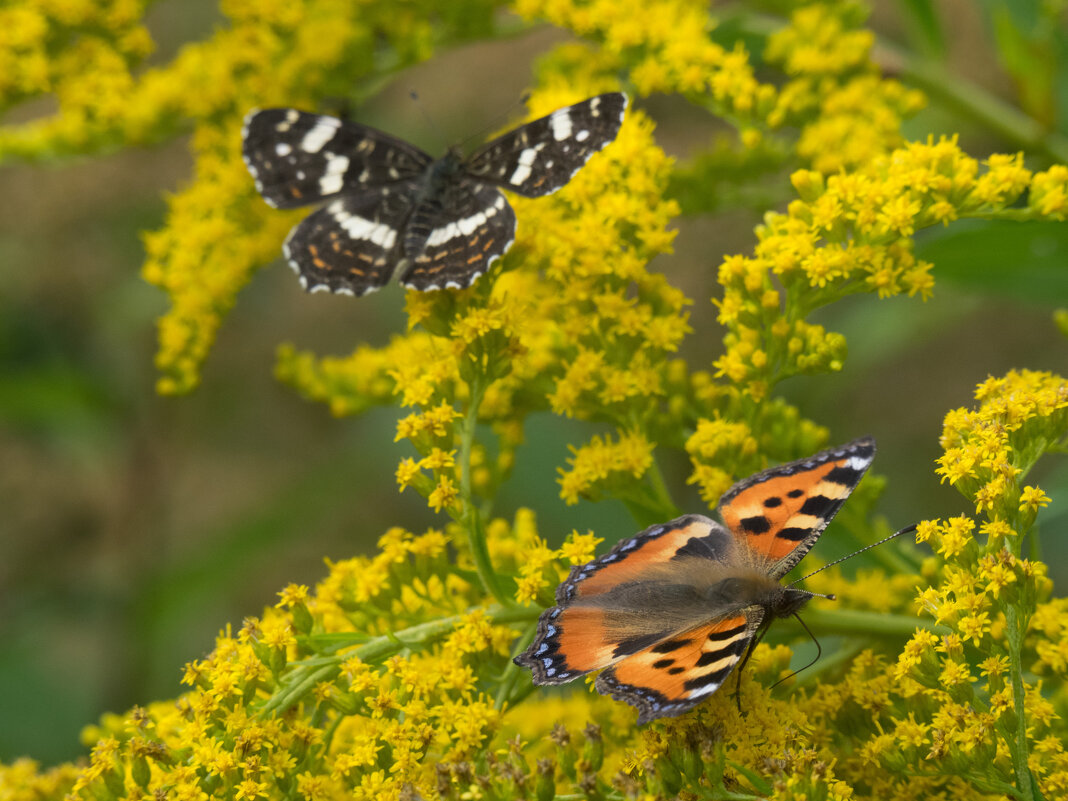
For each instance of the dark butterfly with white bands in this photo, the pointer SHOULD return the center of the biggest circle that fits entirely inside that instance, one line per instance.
(388, 204)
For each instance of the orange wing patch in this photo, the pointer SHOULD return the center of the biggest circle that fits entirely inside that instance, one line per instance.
(785, 508)
(581, 636)
(676, 674)
(631, 557)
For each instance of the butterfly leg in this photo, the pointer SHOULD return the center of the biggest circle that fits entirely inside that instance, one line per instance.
(753, 643)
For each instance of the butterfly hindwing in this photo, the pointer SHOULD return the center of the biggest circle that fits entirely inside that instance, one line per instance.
(541, 156)
(297, 158)
(456, 241)
(616, 605)
(674, 675)
(349, 245)
(781, 512)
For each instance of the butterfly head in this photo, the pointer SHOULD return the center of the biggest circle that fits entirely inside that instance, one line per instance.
(444, 171)
(789, 601)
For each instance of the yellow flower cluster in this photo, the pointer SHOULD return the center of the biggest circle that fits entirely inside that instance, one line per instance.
(603, 465)
(983, 455)
(797, 740)
(85, 54)
(717, 442)
(849, 233)
(617, 323)
(307, 700)
(666, 47)
(25, 780)
(369, 376)
(723, 449)
(847, 113)
(979, 717)
(541, 568)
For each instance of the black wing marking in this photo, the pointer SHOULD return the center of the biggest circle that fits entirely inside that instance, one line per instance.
(675, 675)
(299, 158)
(451, 242)
(351, 245)
(540, 157)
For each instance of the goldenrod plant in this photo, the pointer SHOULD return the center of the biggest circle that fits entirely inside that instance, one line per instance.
(392, 677)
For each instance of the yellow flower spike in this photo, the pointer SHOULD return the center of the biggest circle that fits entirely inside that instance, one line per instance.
(602, 462)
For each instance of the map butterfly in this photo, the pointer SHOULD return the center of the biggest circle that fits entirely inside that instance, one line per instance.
(389, 205)
(668, 614)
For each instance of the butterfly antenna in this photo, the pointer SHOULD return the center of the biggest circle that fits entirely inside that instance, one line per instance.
(905, 530)
(496, 121)
(819, 653)
(414, 95)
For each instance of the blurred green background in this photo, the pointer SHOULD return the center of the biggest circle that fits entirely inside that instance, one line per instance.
(134, 527)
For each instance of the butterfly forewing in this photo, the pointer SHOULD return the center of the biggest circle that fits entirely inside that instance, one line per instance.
(781, 512)
(540, 157)
(299, 158)
(632, 558)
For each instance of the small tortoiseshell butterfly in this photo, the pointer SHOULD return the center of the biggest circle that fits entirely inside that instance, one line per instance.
(667, 614)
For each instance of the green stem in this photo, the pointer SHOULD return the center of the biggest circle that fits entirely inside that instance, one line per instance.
(308, 673)
(850, 621)
(991, 786)
(1019, 748)
(291, 694)
(1005, 120)
(1013, 215)
(660, 491)
(472, 517)
(511, 673)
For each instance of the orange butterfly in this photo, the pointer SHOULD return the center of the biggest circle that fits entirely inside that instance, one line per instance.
(668, 613)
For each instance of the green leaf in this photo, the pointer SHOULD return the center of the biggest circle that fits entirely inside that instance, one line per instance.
(1025, 261)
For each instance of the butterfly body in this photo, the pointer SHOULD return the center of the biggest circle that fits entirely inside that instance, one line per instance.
(388, 205)
(667, 614)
